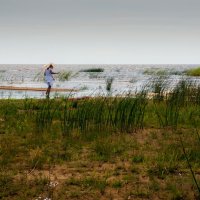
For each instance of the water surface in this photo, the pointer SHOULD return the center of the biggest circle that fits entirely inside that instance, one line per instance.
(126, 78)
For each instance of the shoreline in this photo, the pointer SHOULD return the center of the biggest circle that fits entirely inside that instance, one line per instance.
(36, 89)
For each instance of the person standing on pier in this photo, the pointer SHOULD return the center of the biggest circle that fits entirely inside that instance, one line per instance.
(48, 74)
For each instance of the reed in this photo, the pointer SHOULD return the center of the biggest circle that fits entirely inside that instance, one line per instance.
(93, 70)
(159, 88)
(109, 82)
(184, 94)
(125, 114)
(64, 76)
(45, 115)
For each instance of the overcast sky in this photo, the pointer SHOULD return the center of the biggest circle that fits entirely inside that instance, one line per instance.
(100, 31)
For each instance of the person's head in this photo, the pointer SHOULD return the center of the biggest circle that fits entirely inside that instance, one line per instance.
(51, 66)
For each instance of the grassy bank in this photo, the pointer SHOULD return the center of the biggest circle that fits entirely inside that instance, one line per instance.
(102, 148)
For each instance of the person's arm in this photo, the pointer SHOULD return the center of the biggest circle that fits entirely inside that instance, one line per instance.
(54, 72)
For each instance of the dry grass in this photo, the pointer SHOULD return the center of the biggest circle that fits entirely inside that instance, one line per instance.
(148, 165)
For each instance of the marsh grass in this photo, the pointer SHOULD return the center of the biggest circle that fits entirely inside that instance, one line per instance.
(109, 82)
(93, 70)
(45, 115)
(64, 76)
(193, 72)
(164, 72)
(159, 87)
(157, 72)
(125, 114)
(184, 95)
(39, 76)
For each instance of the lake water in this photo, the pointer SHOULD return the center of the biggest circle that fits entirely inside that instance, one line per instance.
(126, 78)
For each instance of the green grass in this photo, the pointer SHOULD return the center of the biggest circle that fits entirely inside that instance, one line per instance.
(193, 72)
(138, 159)
(117, 184)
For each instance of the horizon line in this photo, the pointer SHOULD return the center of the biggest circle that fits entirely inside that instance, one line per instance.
(99, 63)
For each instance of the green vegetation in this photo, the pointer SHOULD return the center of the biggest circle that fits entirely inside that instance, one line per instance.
(193, 72)
(109, 82)
(39, 76)
(93, 70)
(102, 148)
(64, 76)
(162, 72)
(156, 72)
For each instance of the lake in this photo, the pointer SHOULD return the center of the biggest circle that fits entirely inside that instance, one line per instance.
(126, 79)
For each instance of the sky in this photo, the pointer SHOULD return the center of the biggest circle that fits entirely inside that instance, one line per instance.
(100, 31)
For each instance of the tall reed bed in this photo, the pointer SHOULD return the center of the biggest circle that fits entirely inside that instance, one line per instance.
(184, 94)
(104, 114)
(94, 114)
(45, 114)
(119, 114)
